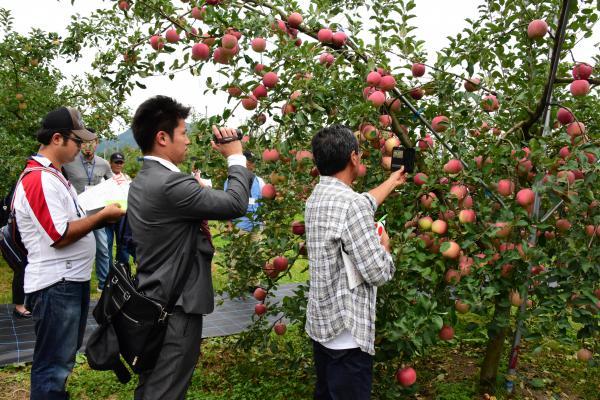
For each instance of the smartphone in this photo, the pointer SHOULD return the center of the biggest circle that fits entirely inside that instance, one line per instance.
(239, 136)
(403, 157)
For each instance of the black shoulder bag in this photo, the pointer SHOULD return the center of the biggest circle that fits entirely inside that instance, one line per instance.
(138, 322)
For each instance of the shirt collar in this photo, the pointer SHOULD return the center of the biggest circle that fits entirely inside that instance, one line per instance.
(42, 160)
(167, 164)
(333, 181)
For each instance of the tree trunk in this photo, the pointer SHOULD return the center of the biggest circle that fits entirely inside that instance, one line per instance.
(497, 331)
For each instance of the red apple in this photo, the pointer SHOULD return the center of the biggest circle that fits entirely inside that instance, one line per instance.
(326, 59)
(417, 70)
(425, 143)
(459, 191)
(259, 44)
(417, 93)
(325, 35)
(250, 102)
(260, 309)
(440, 123)
(564, 152)
(446, 333)
(427, 199)
(580, 88)
(450, 250)
(156, 42)
(387, 83)
(461, 307)
(280, 263)
(172, 36)
(377, 98)
(200, 51)
(406, 376)
(294, 20)
(515, 298)
(504, 229)
(564, 116)
(490, 103)
(268, 191)
(373, 78)
(472, 84)
(453, 166)
(582, 71)
(467, 216)
(270, 155)
(124, 5)
(339, 39)
(452, 276)
(537, 29)
(419, 178)
(525, 197)
(260, 294)
(563, 225)
(576, 129)
(198, 12)
(439, 226)
(270, 79)
(279, 328)
(298, 228)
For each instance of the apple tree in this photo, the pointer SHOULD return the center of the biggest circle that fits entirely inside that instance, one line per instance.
(503, 210)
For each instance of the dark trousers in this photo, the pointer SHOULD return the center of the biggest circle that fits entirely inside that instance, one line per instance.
(60, 314)
(112, 233)
(18, 294)
(342, 374)
(179, 354)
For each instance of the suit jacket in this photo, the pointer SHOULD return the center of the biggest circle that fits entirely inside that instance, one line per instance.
(165, 209)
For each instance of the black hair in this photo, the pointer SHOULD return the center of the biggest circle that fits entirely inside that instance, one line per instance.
(332, 147)
(44, 135)
(158, 113)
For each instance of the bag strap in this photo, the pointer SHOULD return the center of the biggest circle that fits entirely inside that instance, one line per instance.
(51, 171)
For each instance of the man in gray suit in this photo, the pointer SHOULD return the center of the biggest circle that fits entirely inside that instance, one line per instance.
(168, 213)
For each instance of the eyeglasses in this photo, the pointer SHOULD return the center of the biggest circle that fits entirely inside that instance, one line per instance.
(77, 140)
(118, 162)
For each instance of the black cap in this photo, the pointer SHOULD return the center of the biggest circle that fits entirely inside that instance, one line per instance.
(118, 156)
(64, 118)
(248, 154)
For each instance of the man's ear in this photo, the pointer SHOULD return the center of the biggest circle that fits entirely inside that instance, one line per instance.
(57, 138)
(161, 138)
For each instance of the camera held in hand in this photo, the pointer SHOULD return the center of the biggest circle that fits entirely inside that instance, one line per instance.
(228, 139)
(403, 157)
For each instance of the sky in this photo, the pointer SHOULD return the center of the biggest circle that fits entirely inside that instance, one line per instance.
(435, 21)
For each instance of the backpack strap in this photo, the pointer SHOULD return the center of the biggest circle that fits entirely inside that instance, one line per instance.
(51, 171)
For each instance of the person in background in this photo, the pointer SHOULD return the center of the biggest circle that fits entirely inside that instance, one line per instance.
(340, 314)
(249, 221)
(87, 170)
(113, 231)
(56, 234)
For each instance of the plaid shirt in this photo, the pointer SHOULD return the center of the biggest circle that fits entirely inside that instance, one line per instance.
(336, 215)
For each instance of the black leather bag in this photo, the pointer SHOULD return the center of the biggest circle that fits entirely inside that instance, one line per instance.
(139, 322)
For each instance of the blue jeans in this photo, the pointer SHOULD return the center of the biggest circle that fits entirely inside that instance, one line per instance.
(342, 374)
(59, 314)
(122, 254)
(101, 256)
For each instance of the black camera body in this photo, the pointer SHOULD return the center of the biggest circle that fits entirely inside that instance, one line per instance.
(239, 136)
(403, 157)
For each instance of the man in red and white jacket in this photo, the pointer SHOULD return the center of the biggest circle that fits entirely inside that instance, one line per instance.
(56, 234)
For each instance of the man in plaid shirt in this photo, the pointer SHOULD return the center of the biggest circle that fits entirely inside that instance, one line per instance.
(341, 309)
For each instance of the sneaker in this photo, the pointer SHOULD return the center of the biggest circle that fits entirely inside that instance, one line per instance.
(98, 290)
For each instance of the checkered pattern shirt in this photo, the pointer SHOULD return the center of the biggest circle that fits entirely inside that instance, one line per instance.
(337, 216)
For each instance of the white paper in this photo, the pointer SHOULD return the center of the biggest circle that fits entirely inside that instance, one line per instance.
(104, 193)
(354, 277)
